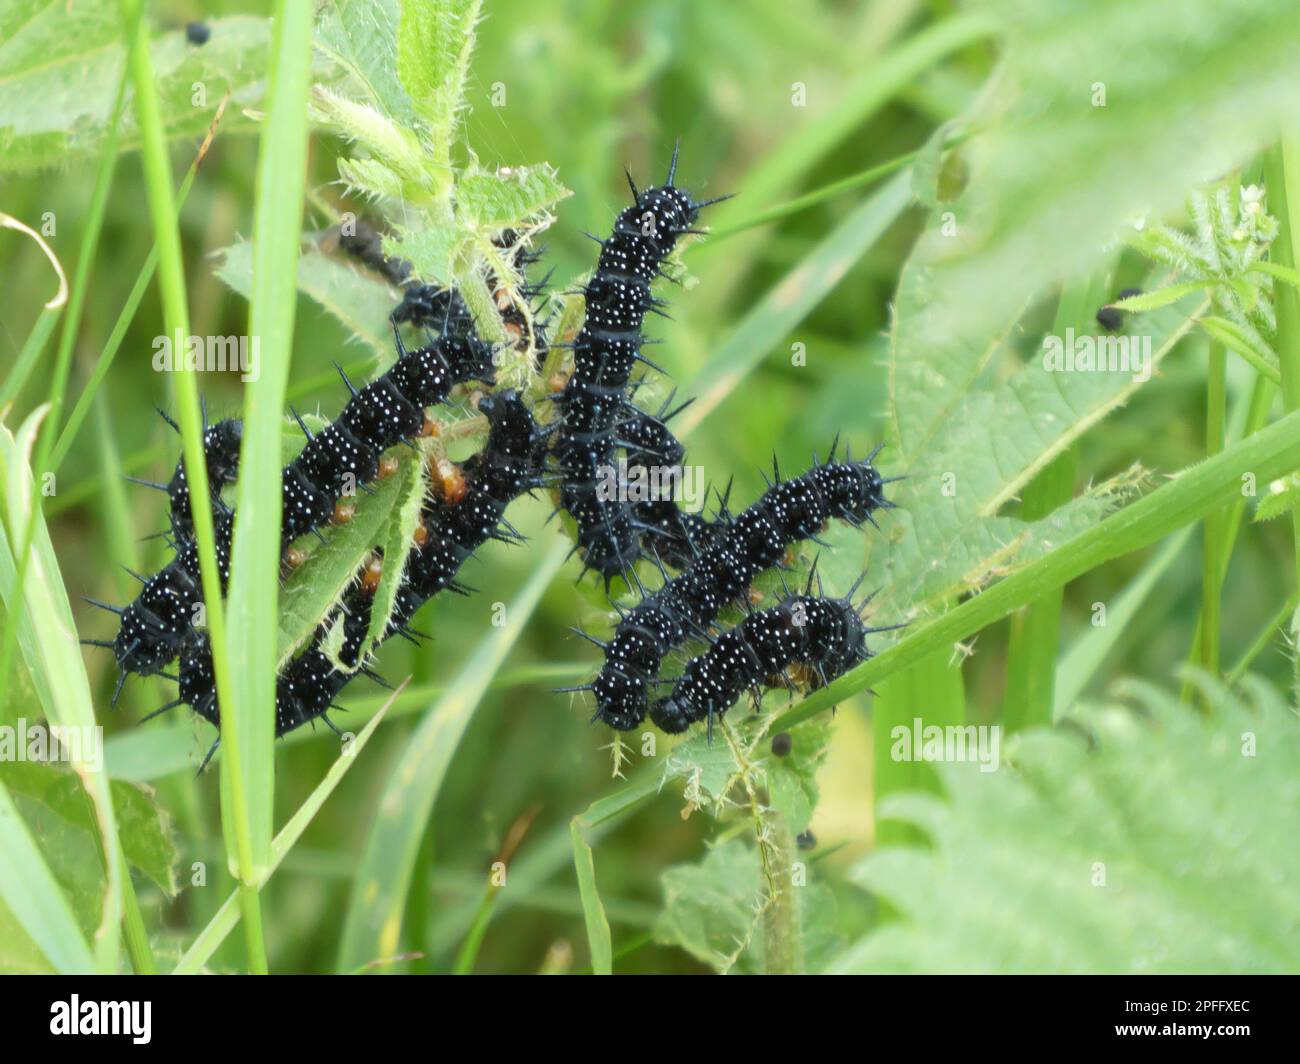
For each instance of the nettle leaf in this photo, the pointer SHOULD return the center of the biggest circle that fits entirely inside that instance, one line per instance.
(714, 777)
(968, 448)
(62, 66)
(312, 590)
(397, 542)
(434, 42)
(792, 780)
(47, 792)
(361, 37)
(359, 300)
(395, 146)
(713, 911)
(493, 200)
(1070, 148)
(1167, 848)
(1283, 497)
(432, 252)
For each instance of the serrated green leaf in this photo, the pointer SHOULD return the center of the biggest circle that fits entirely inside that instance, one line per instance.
(312, 589)
(434, 42)
(1281, 499)
(507, 197)
(1165, 849)
(61, 64)
(361, 36)
(397, 542)
(710, 910)
(432, 253)
(1053, 178)
(969, 449)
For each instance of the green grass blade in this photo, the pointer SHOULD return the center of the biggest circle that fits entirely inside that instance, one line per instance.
(581, 826)
(1282, 178)
(171, 280)
(40, 623)
(373, 925)
(225, 919)
(1195, 492)
(29, 356)
(248, 720)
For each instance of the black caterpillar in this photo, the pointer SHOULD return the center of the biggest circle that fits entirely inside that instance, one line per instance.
(335, 462)
(510, 464)
(743, 547)
(593, 404)
(825, 635)
(221, 443)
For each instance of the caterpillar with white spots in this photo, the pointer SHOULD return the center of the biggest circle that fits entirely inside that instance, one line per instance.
(510, 464)
(826, 636)
(594, 403)
(744, 546)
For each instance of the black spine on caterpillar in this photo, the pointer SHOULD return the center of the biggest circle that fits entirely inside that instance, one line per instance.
(826, 635)
(752, 542)
(605, 350)
(509, 465)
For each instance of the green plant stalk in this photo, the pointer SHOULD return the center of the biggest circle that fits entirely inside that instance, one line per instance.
(171, 279)
(1282, 180)
(136, 935)
(1035, 635)
(1261, 400)
(468, 953)
(1212, 547)
(247, 719)
(1191, 495)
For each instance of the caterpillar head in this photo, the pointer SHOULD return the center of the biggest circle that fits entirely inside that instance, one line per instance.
(621, 699)
(853, 490)
(671, 716)
(221, 447)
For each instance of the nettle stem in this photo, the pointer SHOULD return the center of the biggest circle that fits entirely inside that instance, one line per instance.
(777, 914)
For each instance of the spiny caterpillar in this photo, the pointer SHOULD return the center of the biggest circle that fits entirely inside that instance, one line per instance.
(744, 546)
(825, 635)
(344, 456)
(593, 404)
(509, 465)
